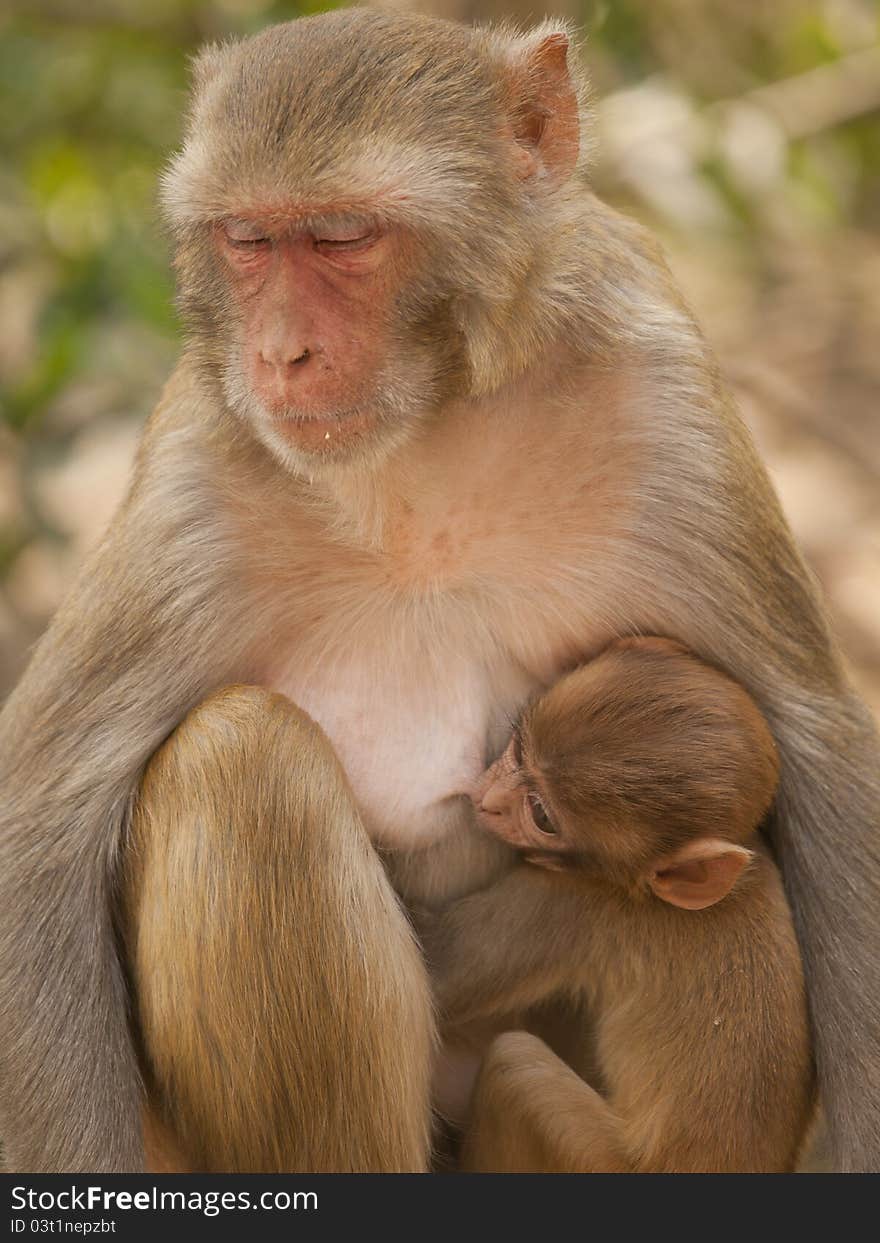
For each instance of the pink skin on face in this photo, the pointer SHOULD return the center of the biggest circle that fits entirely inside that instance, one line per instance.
(316, 309)
(508, 809)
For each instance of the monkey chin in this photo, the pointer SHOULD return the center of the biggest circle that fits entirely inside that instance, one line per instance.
(317, 446)
(313, 445)
(324, 434)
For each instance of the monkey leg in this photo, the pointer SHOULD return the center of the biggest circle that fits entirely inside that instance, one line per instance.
(282, 1005)
(533, 1115)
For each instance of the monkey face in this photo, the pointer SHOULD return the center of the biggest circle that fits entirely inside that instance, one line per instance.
(322, 363)
(509, 805)
(343, 266)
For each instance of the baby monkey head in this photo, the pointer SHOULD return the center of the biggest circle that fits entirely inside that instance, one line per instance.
(646, 767)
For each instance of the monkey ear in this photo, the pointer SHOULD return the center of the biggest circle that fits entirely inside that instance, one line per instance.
(544, 114)
(700, 874)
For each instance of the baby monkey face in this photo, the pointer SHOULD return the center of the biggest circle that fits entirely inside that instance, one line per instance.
(510, 805)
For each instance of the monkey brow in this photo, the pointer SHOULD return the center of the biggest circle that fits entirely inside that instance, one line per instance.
(302, 216)
(316, 220)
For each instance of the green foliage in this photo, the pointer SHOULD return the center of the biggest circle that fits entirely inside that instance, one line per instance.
(91, 96)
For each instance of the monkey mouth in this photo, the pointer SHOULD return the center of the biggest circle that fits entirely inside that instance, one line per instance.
(317, 433)
(488, 820)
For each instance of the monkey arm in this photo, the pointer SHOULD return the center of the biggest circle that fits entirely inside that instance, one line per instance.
(533, 1115)
(138, 641)
(507, 947)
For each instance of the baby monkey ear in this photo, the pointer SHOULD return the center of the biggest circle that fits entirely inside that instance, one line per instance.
(545, 115)
(700, 873)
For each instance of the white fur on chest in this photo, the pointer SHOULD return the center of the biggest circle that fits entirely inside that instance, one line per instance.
(412, 729)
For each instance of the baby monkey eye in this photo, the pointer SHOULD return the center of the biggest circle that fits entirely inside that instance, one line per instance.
(540, 819)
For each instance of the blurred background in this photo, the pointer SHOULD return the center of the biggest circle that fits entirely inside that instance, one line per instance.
(747, 133)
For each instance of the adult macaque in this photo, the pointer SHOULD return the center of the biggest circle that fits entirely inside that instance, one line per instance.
(633, 790)
(442, 428)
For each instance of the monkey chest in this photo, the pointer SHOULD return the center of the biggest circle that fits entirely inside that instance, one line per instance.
(416, 663)
(413, 728)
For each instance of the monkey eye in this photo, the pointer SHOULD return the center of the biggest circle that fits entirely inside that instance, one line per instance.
(540, 819)
(341, 244)
(244, 234)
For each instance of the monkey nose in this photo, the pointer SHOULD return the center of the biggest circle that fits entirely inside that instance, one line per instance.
(493, 802)
(282, 360)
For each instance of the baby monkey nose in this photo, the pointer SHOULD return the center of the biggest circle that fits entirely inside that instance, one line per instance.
(493, 801)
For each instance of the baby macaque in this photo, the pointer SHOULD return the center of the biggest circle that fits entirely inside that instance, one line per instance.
(633, 790)
(634, 768)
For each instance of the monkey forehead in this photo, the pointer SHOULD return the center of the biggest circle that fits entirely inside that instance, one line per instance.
(400, 113)
(380, 180)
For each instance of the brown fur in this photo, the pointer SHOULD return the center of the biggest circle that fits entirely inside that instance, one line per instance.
(645, 748)
(702, 1042)
(702, 1045)
(243, 830)
(565, 467)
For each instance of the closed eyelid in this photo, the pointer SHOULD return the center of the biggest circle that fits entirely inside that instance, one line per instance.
(238, 229)
(361, 242)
